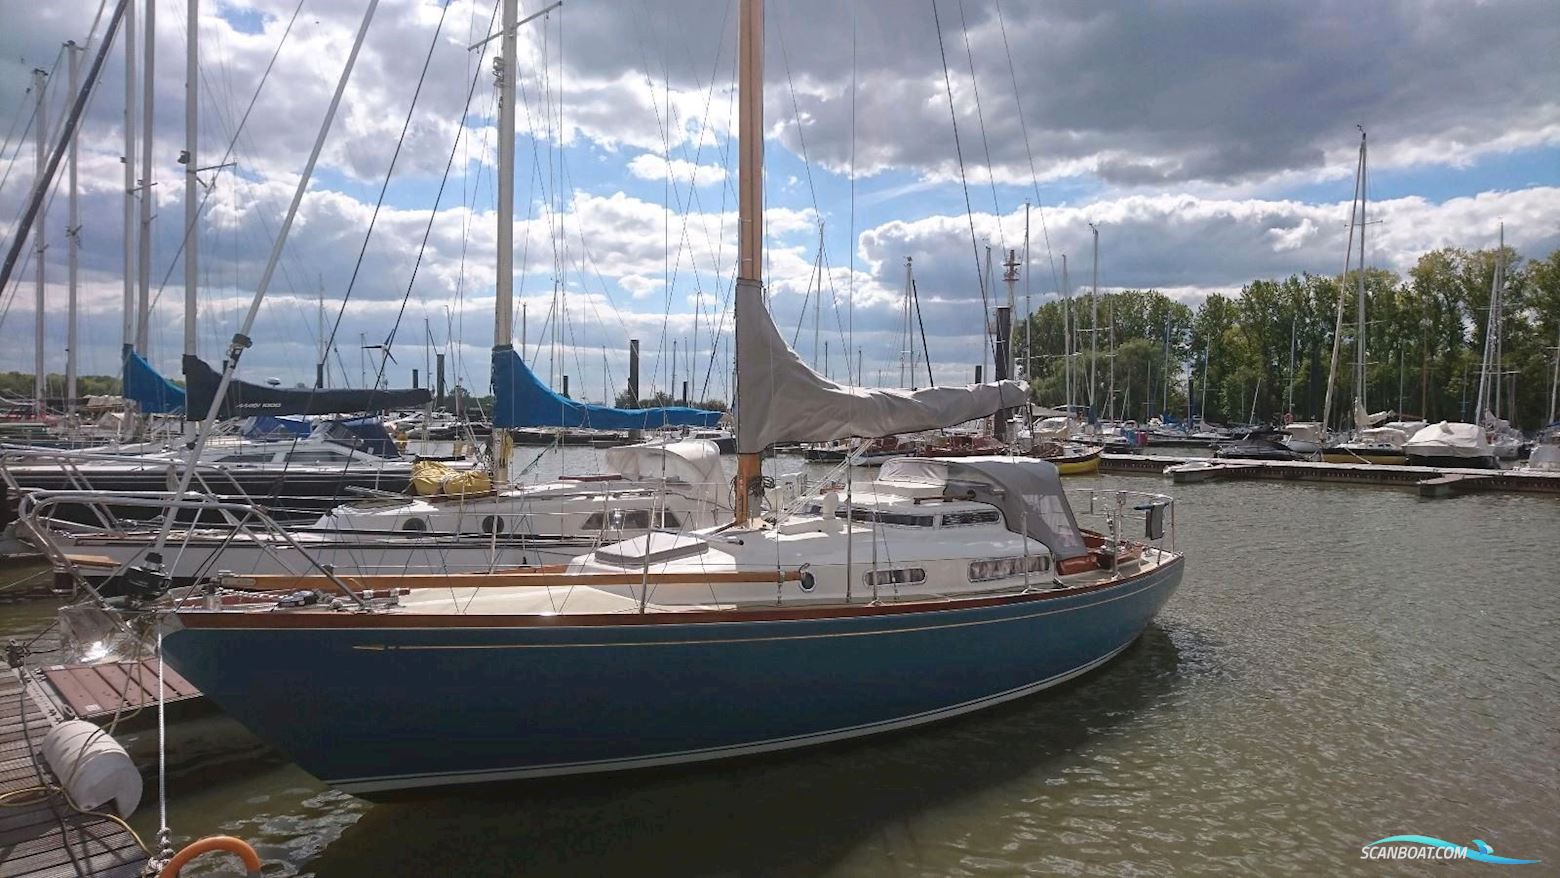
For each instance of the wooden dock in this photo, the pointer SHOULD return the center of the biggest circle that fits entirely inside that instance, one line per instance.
(41, 834)
(100, 690)
(1451, 484)
(1456, 481)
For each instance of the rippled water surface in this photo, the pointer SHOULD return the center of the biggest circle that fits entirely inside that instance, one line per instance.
(1340, 664)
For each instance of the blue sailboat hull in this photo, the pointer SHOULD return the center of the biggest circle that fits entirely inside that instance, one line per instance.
(379, 703)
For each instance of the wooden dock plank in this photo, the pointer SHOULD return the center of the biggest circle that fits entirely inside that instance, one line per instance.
(73, 848)
(15, 721)
(96, 691)
(84, 694)
(175, 687)
(127, 689)
(94, 834)
(47, 838)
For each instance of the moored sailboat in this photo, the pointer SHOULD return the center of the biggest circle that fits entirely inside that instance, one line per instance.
(948, 586)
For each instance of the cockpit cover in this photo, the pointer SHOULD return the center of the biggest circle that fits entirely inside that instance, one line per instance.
(1028, 491)
(695, 461)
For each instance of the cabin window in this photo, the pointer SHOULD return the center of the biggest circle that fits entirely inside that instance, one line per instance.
(632, 519)
(904, 519)
(989, 569)
(492, 524)
(897, 576)
(984, 516)
(415, 524)
(899, 518)
(246, 458)
(315, 457)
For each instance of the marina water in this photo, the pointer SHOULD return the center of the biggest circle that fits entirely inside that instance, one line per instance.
(1340, 665)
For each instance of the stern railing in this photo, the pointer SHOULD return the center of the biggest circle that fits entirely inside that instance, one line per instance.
(1153, 511)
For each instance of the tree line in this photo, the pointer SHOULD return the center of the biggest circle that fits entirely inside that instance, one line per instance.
(19, 385)
(1424, 339)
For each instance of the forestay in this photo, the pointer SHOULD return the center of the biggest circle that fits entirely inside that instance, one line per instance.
(1028, 491)
(783, 400)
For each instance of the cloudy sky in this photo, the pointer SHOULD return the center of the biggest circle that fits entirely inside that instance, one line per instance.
(1211, 143)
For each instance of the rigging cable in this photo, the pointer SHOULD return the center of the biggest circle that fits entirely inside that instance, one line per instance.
(232, 144)
(980, 116)
(1024, 128)
(438, 196)
(850, 307)
(6, 148)
(801, 138)
(969, 211)
(384, 187)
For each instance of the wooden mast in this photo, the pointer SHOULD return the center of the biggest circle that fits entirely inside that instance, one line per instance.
(750, 191)
(504, 305)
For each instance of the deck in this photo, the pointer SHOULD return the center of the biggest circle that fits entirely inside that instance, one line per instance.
(42, 835)
(97, 691)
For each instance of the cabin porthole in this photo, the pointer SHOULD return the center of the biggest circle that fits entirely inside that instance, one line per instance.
(492, 524)
(415, 524)
(808, 581)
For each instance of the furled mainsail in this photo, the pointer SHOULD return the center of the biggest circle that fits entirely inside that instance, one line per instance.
(520, 399)
(245, 399)
(782, 400)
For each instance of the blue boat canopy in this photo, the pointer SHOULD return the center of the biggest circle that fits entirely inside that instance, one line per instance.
(268, 427)
(149, 390)
(368, 434)
(244, 399)
(522, 400)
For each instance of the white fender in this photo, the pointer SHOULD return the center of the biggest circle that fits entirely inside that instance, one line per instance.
(92, 767)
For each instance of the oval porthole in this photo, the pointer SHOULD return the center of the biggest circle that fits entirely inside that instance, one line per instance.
(492, 524)
(417, 525)
(808, 582)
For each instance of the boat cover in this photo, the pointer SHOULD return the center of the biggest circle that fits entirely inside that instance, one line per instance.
(267, 427)
(522, 400)
(1385, 436)
(1028, 491)
(152, 393)
(1450, 439)
(781, 399)
(245, 399)
(694, 461)
(366, 434)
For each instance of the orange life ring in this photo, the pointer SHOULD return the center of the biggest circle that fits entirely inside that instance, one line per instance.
(208, 844)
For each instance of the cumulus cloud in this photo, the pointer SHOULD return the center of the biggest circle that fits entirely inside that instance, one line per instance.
(647, 166)
(1174, 117)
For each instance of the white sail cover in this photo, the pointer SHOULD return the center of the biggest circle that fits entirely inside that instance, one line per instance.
(1307, 431)
(694, 461)
(780, 399)
(1362, 419)
(1449, 439)
(1385, 436)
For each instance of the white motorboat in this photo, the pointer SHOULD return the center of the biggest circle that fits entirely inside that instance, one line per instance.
(1451, 444)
